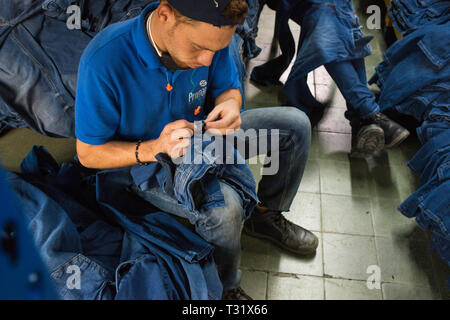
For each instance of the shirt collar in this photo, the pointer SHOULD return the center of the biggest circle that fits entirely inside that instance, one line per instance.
(143, 46)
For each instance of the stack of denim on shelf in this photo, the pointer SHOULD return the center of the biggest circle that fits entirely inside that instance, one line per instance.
(99, 240)
(410, 15)
(39, 57)
(414, 79)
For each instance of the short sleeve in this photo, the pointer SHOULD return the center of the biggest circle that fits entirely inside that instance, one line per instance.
(97, 113)
(223, 74)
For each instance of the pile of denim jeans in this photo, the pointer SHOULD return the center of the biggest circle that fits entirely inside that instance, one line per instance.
(410, 15)
(39, 57)
(99, 240)
(414, 79)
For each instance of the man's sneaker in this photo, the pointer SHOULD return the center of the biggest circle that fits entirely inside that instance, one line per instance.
(394, 134)
(272, 225)
(235, 294)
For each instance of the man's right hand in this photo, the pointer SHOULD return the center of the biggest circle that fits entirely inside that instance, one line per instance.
(175, 138)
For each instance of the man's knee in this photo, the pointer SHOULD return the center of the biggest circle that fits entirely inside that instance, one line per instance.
(297, 123)
(225, 220)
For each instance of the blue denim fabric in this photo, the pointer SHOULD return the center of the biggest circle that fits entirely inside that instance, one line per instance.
(96, 14)
(420, 105)
(430, 129)
(428, 158)
(430, 203)
(350, 77)
(410, 15)
(236, 51)
(121, 250)
(9, 118)
(194, 183)
(183, 253)
(330, 33)
(20, 258)
(39, 59)
(249, 29)
(423, 52)
(221, 225)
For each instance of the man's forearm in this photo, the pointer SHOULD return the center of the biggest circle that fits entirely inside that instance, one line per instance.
(116, 154)
(230, 94)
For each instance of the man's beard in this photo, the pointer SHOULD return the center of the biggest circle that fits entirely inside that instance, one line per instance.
(169, 63)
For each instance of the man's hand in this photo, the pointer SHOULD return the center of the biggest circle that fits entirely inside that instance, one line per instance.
(175, 138)
(224, 118)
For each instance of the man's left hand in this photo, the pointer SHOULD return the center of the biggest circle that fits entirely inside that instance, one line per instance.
(225, 118)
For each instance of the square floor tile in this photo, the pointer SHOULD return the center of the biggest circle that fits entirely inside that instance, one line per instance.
(339, 289)
(395, 182)
(298, 288)
(311, 177)
(348, 256)
(405, 261)
(344, 178)
(254, 284)
(403, 153)
(334, 146)
(322, 77)
(389, 222)
(254, 253)
(305, 211)
(396, 291)
(334, 120)
(344, 214)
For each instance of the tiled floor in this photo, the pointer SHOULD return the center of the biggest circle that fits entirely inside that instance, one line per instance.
(350, 204)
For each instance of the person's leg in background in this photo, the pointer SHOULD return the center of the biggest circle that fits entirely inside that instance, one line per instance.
(371, 130)
(298, 94)
(292, 130)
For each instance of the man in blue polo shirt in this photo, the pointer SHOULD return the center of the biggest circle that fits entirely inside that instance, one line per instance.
(141, 85)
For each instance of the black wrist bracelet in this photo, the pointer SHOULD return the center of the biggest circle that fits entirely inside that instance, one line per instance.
(137, 154)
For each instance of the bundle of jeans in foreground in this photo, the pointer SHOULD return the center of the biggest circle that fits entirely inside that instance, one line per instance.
(99, 240)
(414, 79)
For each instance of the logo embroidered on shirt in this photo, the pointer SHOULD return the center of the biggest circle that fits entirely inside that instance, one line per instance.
(203, 83)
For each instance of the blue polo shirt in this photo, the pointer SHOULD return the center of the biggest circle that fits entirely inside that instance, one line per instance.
(121, 89)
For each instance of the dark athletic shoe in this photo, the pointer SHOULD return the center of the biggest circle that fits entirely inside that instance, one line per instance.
(236, 294)
(272, 225)
(394, 134)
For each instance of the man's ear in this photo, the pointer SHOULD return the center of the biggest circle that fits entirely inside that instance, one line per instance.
(166, 15)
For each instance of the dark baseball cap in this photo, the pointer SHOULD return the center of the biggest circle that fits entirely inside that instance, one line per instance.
(209, 11)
